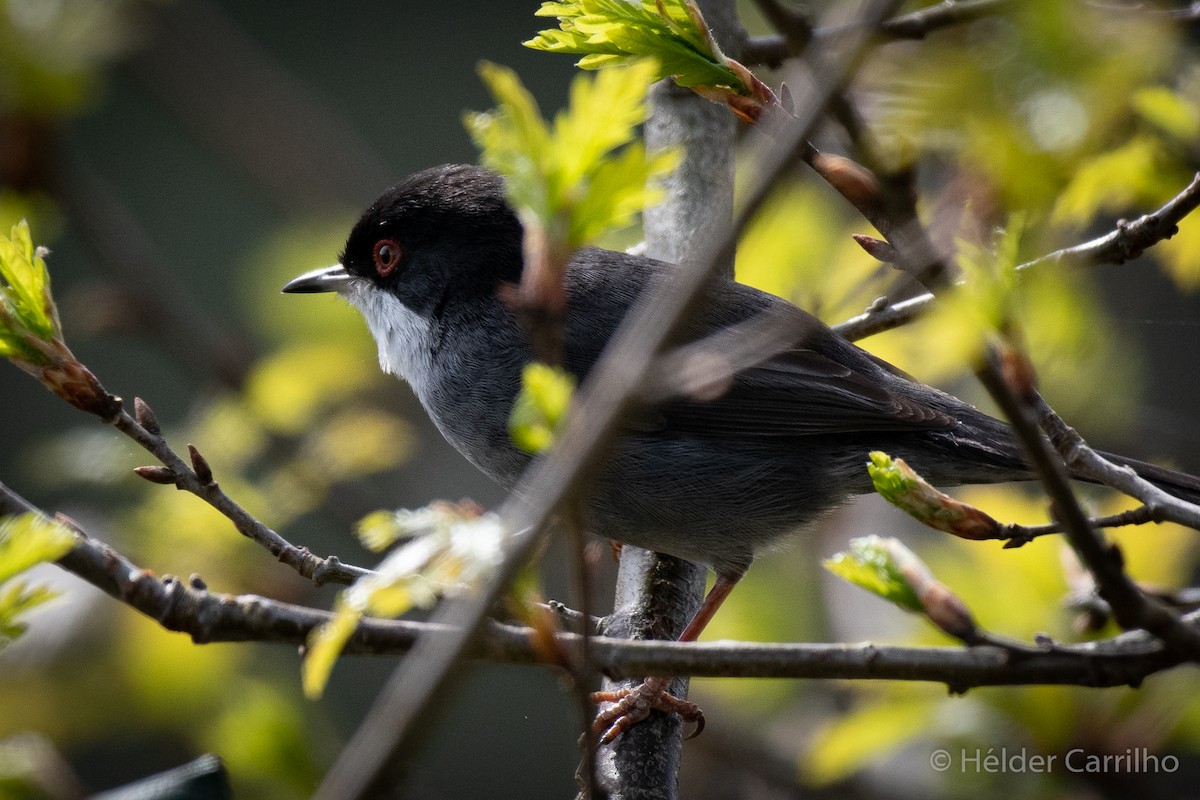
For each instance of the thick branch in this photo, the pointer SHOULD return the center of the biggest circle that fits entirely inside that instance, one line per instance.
(209, 617)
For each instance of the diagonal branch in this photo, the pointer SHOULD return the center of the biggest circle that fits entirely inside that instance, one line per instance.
(197, 479)
(1011, 381)
(1126, 241)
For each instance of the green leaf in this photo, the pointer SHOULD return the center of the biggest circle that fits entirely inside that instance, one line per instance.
(380, 530)
(611, 32)
(889, 569)
(15, 600)
(1169, 112)
(871, 565)
(540, 407)
(28, 311)
(26, 540)
(29, 539)
(1135, 173)
(901, 486)
(582, 176)
(453, 548)
(324, 646)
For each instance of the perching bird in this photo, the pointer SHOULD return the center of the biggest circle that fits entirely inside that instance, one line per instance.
(711, 480)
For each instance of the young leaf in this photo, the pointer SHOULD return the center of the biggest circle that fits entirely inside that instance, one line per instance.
(451, 549)
(27, 311)
(672, 32)
(28, 539)
(325, 644)
(15, 600)
(30, 332)
(571, 179)
(540, 407)
(569, 182)
(889, 569)
(901, 486)
(870, 565)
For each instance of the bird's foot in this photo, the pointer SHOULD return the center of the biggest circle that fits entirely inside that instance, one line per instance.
(631, 706)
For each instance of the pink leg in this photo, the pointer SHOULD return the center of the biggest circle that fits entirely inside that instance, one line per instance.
(631, 706)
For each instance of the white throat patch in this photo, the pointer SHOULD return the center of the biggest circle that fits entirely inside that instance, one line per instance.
(401, 335)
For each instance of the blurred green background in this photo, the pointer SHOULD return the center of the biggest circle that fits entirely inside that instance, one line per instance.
(184, 159)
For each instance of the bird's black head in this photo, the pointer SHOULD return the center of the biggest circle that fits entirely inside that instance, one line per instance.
(444, 230)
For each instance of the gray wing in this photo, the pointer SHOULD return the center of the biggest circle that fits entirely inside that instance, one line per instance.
(816, 384)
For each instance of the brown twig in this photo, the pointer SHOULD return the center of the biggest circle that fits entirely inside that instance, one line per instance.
(210, 617)
(197, 479)
(1011, 382)
(1020, 535)
(1090, 464)
(1131, 608)
(1126, 241)
(773, 50)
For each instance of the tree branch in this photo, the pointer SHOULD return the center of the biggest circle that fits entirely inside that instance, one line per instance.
(772, 50)
(1011, 382)
(1126, 241)
(144, 430)
(210, 617)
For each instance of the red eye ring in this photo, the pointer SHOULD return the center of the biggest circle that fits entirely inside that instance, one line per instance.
(387, 256)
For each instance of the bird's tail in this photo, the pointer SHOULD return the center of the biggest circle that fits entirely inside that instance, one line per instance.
(1180, 484)
(997, 457)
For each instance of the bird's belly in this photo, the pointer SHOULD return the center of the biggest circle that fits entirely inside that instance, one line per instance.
(709, 501)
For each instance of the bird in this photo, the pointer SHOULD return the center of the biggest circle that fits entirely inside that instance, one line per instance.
(713, 479)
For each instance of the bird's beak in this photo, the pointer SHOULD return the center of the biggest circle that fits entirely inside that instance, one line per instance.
(326, 279)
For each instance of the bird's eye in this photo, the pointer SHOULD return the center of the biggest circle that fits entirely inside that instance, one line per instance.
(387, 256)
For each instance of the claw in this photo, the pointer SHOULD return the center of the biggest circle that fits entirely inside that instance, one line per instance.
(631, 706)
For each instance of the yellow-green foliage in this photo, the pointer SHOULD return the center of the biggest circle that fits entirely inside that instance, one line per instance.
(26, 540)
(611, 32)
(870, 564)
(447, 549)
(584, 174)
(27, 312)
(541, 407)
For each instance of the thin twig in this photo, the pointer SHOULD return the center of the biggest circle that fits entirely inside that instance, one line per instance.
(319, 570)
(1010, 380)
(773, 50)
(1131, 608)
(1019, 535)
(1126, 241)
(1088, 463)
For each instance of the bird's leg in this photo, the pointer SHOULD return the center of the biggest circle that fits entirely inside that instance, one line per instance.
(631, 706)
